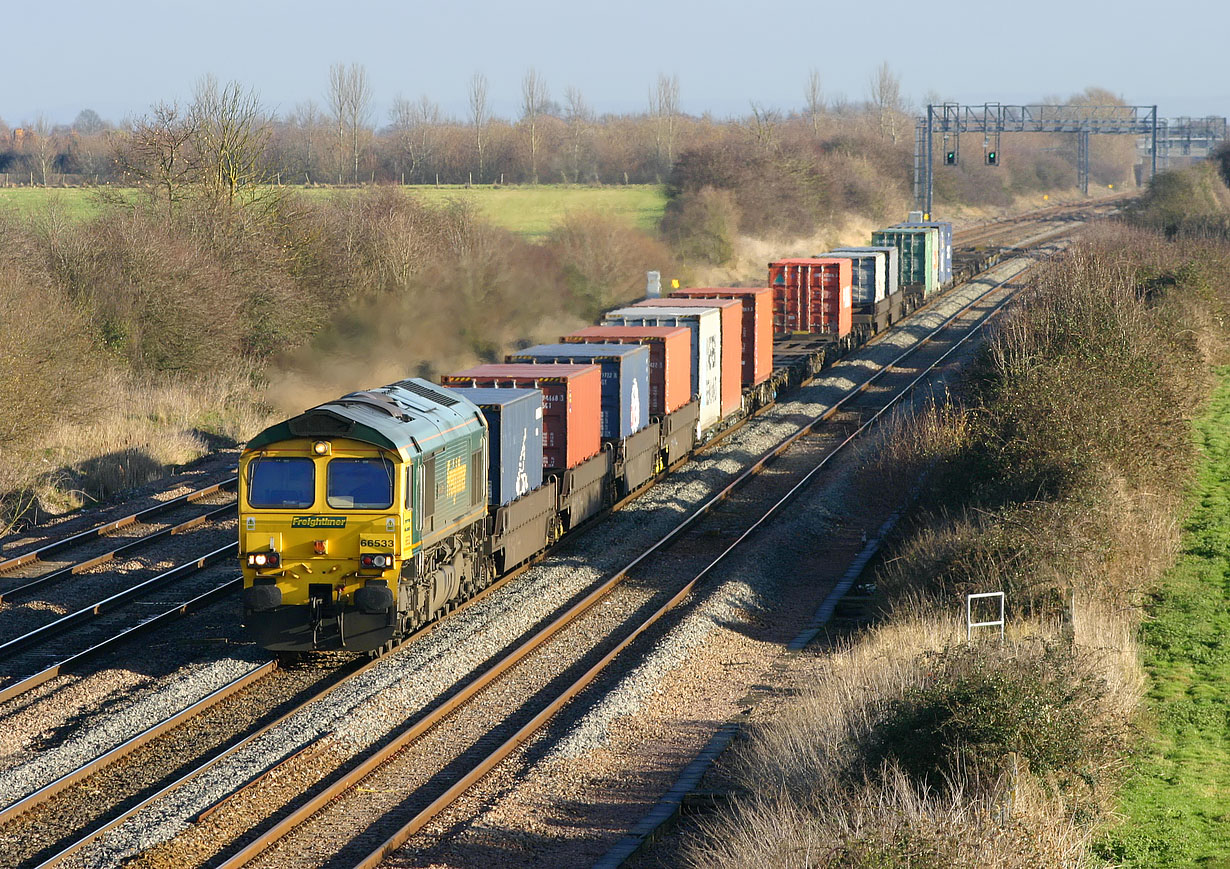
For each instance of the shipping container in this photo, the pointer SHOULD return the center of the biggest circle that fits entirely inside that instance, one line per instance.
(756, 333)
(812, 296)
(571, 405)
(514, 438)
(868, 276)
(625, 380)
(705, 325)
(943, 247)
(918, 256)
(670, 359)
(731, 312)
(892, 269)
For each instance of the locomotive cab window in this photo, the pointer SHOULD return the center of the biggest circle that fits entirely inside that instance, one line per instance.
(281, 483)
(360, 484)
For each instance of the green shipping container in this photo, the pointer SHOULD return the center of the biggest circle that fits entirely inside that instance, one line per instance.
(919, 261)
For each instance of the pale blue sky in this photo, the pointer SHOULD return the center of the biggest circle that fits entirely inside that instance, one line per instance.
(119, 57)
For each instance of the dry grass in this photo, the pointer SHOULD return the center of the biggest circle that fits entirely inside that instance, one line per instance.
(806, 799)
(146, 428)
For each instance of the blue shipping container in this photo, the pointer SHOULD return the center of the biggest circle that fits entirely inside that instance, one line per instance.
(625, 379)
(514, 438)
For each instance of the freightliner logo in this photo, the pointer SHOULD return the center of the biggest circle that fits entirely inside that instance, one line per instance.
(318, 522)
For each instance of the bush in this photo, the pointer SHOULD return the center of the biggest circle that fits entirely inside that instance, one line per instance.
(47, 363)
(1191, 202)
(702, 225)
(788, 187)
(603, 261)
(981, 702)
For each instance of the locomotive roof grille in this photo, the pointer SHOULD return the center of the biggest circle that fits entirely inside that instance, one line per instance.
(381, 401)
(435, 395)
(320, 423)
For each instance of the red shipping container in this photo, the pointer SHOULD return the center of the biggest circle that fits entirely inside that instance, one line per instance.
(670, 359)
(757, 331)
(812, 296)
(571, 404)
(732, 343)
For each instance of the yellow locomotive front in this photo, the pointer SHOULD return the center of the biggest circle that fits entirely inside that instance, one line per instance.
(322, 534)
(330, 523)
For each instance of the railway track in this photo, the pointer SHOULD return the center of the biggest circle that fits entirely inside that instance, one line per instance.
(33, 568)
(65, 597)
(154, 596)
(430, 756)
(1005, 228)
(221, 808)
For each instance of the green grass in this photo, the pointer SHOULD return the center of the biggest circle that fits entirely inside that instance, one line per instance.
(534, 211)
(1177, 799)
(80, 203)
(529, 211)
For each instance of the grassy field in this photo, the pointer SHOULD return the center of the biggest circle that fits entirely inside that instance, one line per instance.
(530, 211)
(1177, 800)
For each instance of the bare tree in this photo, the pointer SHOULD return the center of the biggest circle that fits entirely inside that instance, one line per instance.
(815, 100)
(413, 126)
(42, 144)
(580, 121)
(534, 96)
(764, 126)
(337, 115)
(230, 138)
(664, 107)
(157, 150)
(885, 98)
(350, 99)
(306, 118)
(92, 154)
(480, 116)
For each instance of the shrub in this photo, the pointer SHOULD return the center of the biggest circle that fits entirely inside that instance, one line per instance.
(47, 363)
(981, 702)
(702, 225)
(1194, 201)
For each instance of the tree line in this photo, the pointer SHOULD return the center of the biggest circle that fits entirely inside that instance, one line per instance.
(224, 132)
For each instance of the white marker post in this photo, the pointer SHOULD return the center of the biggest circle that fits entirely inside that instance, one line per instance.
(970, 624)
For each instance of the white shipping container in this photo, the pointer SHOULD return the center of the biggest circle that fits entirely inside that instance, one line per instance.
(869, 270)
(705, 325)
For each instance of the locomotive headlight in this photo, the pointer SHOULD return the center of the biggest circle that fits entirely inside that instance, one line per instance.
(259, 560)
(321, 448)
(264, 559)
(379, 562)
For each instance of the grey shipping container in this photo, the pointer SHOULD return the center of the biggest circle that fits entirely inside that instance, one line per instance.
(944, 247)
(867, 275)
(706, 327)
(891, 264)
(625, 379)
(514, 438)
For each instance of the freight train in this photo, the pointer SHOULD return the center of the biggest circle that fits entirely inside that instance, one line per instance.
(372, 514)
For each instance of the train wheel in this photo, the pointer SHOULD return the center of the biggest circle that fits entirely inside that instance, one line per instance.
(384, 649)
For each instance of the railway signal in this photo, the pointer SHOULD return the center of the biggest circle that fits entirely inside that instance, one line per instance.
(992, 158)
(950, 158)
